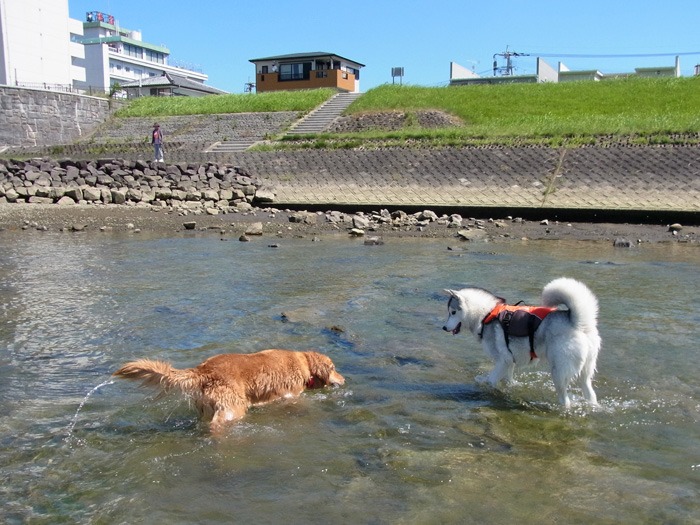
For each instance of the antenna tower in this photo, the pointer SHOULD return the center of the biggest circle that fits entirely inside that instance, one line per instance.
(507, 70)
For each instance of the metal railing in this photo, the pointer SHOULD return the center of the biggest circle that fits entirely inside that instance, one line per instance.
(64, 88)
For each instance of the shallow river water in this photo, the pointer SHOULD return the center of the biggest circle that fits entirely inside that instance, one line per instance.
(410, 438)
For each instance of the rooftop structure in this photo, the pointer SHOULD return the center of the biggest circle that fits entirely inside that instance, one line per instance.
(307, 71)
(168, 85)
(460, 76)
(115, 56)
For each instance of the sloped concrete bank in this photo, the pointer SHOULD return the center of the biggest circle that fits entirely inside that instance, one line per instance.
(622, 183)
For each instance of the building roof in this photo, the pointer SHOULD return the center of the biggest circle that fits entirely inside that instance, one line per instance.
(299, 56)
(168, 80)
(126, 40)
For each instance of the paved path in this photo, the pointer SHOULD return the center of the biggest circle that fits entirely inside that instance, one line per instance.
(591, 178)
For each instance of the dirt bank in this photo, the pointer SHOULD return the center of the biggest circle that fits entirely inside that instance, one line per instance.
(277, 223)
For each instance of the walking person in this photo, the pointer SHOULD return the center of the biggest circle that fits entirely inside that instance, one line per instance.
(157, 141)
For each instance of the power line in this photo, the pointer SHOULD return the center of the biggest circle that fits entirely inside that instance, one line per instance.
(633, 55)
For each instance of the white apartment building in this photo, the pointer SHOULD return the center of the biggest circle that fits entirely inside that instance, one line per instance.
(42, 47)
(115, 55)
(35, 44)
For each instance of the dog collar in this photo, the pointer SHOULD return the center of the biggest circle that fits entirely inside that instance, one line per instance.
(310, 383)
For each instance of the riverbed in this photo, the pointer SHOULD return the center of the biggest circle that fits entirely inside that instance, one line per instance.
(410, 437)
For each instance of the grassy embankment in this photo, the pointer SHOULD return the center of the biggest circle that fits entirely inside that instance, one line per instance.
(571, 112)
(302, 101)
(638, 110)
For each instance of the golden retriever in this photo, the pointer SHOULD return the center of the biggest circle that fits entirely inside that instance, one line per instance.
(224, 386)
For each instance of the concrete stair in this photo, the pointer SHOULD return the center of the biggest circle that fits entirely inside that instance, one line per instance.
(231, 146)
(322, 117)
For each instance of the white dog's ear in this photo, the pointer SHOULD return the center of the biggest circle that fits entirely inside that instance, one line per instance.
(451, 293)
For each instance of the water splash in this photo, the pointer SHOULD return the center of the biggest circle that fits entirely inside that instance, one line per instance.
(73, 422)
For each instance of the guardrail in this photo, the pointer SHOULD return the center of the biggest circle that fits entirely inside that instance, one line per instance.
(64, 88)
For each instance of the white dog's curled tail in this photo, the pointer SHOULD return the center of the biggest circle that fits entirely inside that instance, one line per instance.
(577, 297)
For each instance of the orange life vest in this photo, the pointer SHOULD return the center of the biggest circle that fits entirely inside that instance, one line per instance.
(519, 321)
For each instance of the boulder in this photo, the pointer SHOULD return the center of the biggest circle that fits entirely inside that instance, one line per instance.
(91, 194)
(106, 195)
(210, 195)
(40, 200)
(56, 193)
(360, 222)
(265, 194)
(243, 206)
(255, 228)
(427, 215)
(471, 235)
(303, 217)
(74, 193)
(65, 201)
(134, 194)
(119, 195)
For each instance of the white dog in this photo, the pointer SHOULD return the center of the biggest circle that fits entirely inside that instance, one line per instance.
(567, 340)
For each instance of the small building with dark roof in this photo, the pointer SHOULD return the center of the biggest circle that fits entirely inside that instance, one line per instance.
(318, 69)
(168, 85)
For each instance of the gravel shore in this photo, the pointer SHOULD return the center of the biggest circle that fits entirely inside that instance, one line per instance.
(280, 223)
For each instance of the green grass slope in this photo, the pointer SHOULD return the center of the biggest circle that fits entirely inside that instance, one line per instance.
(626, 106)
(302, 101)
(645, 110)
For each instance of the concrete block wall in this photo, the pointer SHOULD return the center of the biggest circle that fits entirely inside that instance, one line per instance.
(35, 117)
(193, 128)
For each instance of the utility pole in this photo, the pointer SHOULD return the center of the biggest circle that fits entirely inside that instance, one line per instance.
(506, 70)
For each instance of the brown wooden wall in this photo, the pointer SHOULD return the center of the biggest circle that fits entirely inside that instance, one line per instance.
(335, 78)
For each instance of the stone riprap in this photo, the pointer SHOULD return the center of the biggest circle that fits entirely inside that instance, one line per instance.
(210, 186)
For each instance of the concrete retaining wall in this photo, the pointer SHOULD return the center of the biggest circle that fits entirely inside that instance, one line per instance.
(34, 117)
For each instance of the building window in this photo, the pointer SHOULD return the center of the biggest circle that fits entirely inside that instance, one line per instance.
(321, 74)
(299, 71)
(155, 56)
(132, 51)
(264, 70)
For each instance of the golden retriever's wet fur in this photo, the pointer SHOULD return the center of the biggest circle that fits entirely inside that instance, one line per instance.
(224, 386)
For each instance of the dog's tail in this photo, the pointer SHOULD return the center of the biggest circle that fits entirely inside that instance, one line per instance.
(577, 297)
(160, 373)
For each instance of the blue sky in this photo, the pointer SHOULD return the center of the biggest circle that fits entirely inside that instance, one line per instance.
(220, 37)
